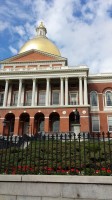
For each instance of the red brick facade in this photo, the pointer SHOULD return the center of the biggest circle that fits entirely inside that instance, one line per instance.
(103, 112)
(49, 113)
(64, 118)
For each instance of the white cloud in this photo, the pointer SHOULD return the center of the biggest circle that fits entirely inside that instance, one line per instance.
(3, 25)
(83, 33)
(84, 39)
(13, 50)
(19, 29)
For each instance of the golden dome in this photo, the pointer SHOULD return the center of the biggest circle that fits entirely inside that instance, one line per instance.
(40, 42)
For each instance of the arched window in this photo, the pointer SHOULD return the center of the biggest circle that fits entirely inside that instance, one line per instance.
(108, 98)
(94, 99)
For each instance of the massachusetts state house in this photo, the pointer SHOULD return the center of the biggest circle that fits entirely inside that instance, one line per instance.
(39, 92)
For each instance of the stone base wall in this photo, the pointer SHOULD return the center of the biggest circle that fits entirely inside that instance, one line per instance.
(47, 187)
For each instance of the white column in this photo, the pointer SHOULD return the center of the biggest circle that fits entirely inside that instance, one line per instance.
(33, 92)
(66, 91)
(62, 92)
(80, 91)
(47, 92)
(36, 92)
(9, 95)
(5, 93)
(19, 92)
(22, 95)
(85, 91)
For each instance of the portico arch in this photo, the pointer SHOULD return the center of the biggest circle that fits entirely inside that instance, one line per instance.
(8, 124)
(39, 121)
(54, 122)
(24, 123)
(74, 122)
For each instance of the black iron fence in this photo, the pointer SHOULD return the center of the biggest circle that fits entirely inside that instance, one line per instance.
(57, 153)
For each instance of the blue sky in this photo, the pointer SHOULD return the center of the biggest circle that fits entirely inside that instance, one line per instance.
(82, 29)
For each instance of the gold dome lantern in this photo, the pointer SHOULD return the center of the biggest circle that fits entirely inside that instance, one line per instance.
(40, 42)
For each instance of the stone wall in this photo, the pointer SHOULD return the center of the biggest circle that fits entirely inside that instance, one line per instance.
(47, 187)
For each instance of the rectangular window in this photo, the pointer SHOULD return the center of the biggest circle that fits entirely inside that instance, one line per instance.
(42, 97)
(95, 124)
(73, 98)
(15, 98)
(55, 97)
(1, 98)
(110, 123)
(28, 98)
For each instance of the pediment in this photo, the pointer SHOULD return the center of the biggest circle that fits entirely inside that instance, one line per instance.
(32, 56)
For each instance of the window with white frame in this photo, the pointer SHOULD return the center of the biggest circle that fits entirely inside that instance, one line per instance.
(94, 99)
(95, 124)
(108, 98)
(110, 123)
(15, 98)
(55, 97)
(1, 98)
(73, 98)
(28, 98)
(42, 97)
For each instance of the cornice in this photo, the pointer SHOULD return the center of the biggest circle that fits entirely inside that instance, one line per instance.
(44, 72)
(100, 80)
(100, 76)
(32, 62)
(45, 107)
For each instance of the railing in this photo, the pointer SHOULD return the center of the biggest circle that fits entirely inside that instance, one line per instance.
(57, 153)
(30, 68)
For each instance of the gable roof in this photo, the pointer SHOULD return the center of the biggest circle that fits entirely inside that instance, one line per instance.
(33, 56)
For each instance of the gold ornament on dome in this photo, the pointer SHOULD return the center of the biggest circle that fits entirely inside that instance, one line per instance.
(40, 42)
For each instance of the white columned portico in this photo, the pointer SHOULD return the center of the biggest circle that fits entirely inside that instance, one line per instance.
(6, 93)
(33, 92)
(85, 91)
(19, 92)
(62, 92)
(80, 91)
(47, 92)
(66, 91)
